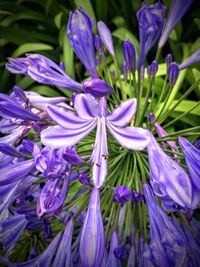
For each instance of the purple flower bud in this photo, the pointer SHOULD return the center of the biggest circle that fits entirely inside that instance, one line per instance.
(99, 45)
(129, 55)
(10, 151)
(106, 37)
(177, 10)
(194, 58)
(97, 87)
(125, 70)
(168, 59)
(151, 117)
(84, 179)
(92, 246)
(136, 196)
(120, 252)
(151, 20)
(122, 194)
(173, 72)
(152, 69)
(70, 155)
(79, 33)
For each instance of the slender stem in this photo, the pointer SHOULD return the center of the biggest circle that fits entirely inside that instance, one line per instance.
(149, 90)
(182, 115)
(179, 101)
(165, 103)
(162, 93)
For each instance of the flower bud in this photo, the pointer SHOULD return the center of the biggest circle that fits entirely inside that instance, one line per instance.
(98, 45)
(151, 117)
(122, 194)
(71, 156)
(129, 55)
(152, 69)
(173, 72)
(92, 246)
(136, 196)
(97, 87)
(168, 59)
(84, 179)
(120, 252)
(106, 37)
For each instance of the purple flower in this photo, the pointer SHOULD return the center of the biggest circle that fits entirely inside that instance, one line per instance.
(177, 9)
(120, 252)
(112, 260)
(43, 70)
(192, 157)
(15, 172)
(168, 59)
(97, 87)
(12, 229)
(122, 194)
(129, 55)
(136, 196)
(194, 58)
(173, 72)
(52, 196)
(168, 179)
(167, 245)
(151, 20)
(193, 247)
(152, 69)
(92, 248)
(71, 156)
(106, 37)
(63, 253)
(79, 33)
(10, 108)
(73, 128)
(84, 179)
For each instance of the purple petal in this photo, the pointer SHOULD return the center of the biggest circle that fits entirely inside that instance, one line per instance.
(123, 114)
(97, 87)
(66, 118)
(92, 248)
(106, 37)
(41, 101)
(194, 58)
(57, 137)
(15, 172)
(130, 137)
(63, 254)
(112, 260)
(168, 178)
(100, 155)
(192, 157)
(86, 106)
(10, 151)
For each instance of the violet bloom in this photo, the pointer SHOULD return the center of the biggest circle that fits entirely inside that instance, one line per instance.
(112, 260)
(73, 128)
(43, 70)
(168, 59)
(167, 244)
(122, 194)
(120, 252)
(192, 157)
(79, 33)
(194, 58)
(72, 157)
(169, 180)
(97, 87)
(53, 196)
(12, 229)
(177, 9)
(92, 235)
(173, 72)
(151, 20)
(152, 69)
(106, 37)
(129, 55)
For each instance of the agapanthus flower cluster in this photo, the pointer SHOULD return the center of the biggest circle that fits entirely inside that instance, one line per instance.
(96, 180)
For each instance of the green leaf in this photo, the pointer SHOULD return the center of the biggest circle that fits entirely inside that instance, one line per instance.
(68, 56)
(31, 47)
(45, 90)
